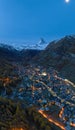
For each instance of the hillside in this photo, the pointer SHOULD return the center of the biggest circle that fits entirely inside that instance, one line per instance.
(10, 54)
(60, 55)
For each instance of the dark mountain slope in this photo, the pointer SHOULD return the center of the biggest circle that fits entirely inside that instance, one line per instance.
(27, 55)
(8, 53)
(61, 56)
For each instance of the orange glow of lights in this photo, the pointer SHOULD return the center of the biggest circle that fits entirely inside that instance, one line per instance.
(61, 113)
(51, 120)
(72, 124)
(17, 129)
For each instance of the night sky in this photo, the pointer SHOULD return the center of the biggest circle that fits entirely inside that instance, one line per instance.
(32, 19)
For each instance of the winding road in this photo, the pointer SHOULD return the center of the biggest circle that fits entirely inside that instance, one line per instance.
(50, 119)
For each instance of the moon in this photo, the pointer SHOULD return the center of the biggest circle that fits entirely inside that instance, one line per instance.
(67, 1)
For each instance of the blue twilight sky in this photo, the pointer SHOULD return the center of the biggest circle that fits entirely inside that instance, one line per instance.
(32, 19)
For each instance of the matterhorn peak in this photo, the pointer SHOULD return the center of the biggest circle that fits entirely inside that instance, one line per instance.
(42, 41)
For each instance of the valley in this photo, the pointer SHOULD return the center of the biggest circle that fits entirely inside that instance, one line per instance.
(34, 94)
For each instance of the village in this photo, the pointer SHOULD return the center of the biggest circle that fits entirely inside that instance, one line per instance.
(49, 93)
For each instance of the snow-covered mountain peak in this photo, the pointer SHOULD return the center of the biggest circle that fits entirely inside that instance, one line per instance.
(42, 41)
(41, 45)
